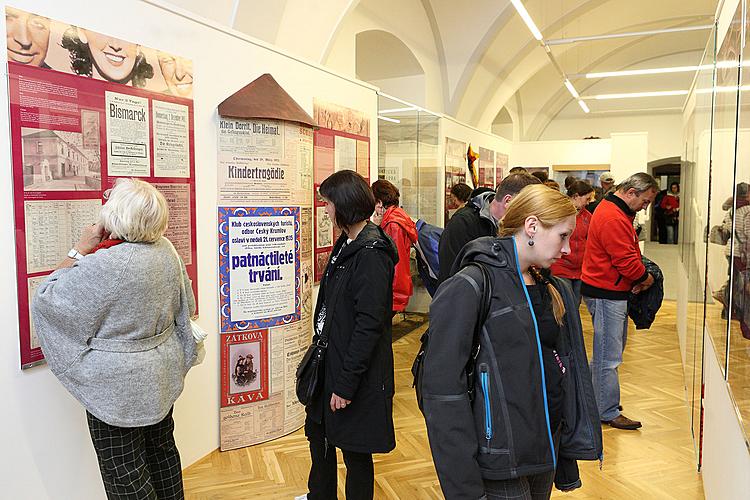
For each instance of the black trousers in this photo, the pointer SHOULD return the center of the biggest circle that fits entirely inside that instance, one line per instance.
(322, 483)
(138, 463)
(534, 487)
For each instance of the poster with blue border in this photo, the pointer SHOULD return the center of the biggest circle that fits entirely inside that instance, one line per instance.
(259, 267)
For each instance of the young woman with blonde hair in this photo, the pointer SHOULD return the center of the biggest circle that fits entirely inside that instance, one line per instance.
(532, 403)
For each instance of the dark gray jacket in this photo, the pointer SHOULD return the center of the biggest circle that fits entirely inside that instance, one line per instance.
(504, 433)
(468, 223)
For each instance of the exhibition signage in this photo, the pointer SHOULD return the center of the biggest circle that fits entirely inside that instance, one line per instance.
(264, 226)
(342, 142)
(85, 109)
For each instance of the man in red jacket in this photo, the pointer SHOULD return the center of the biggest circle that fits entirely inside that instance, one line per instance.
(398, 225)
(612, 268)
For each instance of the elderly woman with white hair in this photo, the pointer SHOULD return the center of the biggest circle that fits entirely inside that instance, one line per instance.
(114, 323)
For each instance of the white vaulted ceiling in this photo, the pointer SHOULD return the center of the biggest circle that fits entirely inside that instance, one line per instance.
(479, 58)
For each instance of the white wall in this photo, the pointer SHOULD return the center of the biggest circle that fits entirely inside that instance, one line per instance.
(411, 26)
(726, 459)
(48, 454)
(570, 152)
(664, 130)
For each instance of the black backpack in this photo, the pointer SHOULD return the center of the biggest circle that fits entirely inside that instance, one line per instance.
(417, 368)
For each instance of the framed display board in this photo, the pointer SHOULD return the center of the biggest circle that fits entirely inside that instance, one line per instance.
(86, 109)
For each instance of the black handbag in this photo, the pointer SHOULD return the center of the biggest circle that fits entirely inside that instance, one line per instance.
(310, 371)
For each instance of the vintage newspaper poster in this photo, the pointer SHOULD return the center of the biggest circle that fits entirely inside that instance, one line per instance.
(341, 143)
(171, 139)
(262, 161)
(80, 118)
(127, 135)
(259, 260)
(265, 229)
(455, 172)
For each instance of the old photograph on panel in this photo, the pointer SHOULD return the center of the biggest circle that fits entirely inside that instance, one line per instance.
(54, 160)
(245, 364)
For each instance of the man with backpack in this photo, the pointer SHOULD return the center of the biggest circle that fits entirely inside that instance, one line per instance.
(480, 217)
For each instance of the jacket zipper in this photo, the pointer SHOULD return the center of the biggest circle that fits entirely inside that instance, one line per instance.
(484, 378)
(539, 353)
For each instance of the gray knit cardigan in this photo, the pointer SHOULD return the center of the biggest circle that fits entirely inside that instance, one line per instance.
(115, 330)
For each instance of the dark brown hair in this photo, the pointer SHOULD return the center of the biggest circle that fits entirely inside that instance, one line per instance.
(579, 188)
(386, 192)
(351, 197)
(541, 175)
(513, 184)
(461, 191)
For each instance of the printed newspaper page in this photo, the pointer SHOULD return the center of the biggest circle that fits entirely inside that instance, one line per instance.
(171, 140)
(127, 135)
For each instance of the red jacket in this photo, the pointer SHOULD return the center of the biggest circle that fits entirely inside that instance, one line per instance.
(612, 261)
(569, 266)
(397, 224)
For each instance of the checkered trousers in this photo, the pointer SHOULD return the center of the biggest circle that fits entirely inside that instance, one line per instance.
(138, 463)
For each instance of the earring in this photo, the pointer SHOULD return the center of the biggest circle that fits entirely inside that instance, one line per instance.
(531, 242)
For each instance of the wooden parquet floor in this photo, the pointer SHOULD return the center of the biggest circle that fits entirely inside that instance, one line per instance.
(656, 462)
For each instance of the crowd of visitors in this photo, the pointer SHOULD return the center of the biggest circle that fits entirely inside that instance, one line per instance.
(510, 397)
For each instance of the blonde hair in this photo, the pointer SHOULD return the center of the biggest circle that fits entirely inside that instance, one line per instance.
(550, 207)
(135, 211)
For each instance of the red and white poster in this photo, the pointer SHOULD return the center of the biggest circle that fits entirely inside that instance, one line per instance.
(501, 167)
(486, 168)
(244, 367)
(455, 173)
(85, 109)
(341, 143)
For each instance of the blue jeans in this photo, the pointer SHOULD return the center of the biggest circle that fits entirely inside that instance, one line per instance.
(610, 319)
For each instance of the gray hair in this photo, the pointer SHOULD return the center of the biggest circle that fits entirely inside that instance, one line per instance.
(135, 211)
(641, 182)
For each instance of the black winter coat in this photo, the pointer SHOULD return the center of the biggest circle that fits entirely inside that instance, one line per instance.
(468, 223)
(642, 307)
(504, 433)
(357, 291)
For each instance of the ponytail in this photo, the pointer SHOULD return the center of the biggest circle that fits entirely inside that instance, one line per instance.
(558, 306)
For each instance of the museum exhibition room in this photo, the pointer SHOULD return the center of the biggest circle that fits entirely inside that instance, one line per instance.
(389, 249)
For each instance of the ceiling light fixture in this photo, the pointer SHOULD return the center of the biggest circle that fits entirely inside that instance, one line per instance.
(397, 110)
(583, 106)
(652, 71)
(571, 89)
(527, 19)
(631, 95)
(385, 118)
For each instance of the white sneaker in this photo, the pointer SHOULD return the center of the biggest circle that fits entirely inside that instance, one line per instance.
(301, 497)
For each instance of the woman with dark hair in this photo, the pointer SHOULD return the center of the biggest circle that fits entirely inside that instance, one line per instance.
(95, 55)
(569, 266)
(461, 193)
(530, 409)
(353, 410)
(398, 225)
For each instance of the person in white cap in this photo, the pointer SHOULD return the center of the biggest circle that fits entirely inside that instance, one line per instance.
(607, 182)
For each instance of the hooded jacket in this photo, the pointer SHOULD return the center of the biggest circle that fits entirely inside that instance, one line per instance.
(402, 230)
(504, 433)
(358, 364)
(468, 223)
